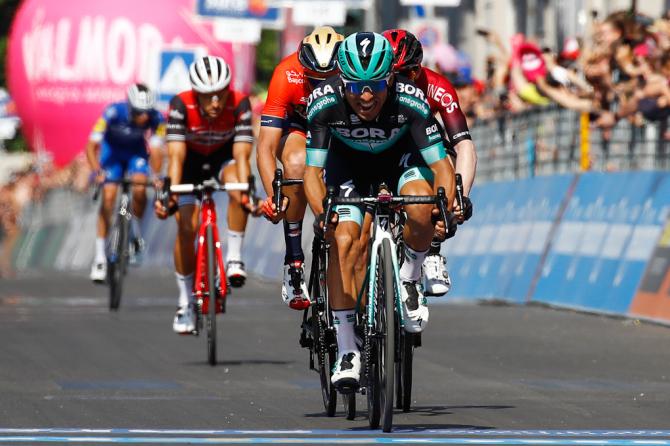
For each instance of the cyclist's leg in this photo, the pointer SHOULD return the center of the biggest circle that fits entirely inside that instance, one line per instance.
(113, 168)
(417, 236)
(292, 157)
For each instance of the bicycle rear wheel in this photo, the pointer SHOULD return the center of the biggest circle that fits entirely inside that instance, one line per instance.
(349, 405)
(213, 292)
(117, 261)
(387, 341)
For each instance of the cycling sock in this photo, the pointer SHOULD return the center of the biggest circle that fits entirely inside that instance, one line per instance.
(410, 271)
(100, 250)
(344, 327)
(185, 285)
(293, 239)
(434, 247)
(234, 251)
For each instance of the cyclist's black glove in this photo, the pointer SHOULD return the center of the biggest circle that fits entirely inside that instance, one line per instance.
(467, 208)
(452, 226)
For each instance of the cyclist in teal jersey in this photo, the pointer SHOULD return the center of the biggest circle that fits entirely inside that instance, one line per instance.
(366, 127)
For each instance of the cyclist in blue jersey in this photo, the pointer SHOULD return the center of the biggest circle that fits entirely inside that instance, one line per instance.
(368, 126)
(121, 142)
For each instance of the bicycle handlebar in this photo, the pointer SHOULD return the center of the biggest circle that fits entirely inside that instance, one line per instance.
(195, 188)
(123, 182)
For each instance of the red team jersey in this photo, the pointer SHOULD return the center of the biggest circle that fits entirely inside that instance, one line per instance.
(443, 99)
(286, 103)
(204, 135)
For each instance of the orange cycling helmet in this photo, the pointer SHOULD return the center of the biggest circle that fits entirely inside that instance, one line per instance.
(318, 51)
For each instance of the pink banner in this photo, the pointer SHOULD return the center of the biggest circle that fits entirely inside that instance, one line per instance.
(67, 60)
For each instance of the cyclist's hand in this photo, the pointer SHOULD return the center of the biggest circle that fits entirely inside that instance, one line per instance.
(99, 176)
(440, 228)
(320, 224)
(161, 211)
(467, 210)
(270, 210)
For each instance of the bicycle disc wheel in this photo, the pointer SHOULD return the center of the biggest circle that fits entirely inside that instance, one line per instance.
(387, 341)
(213, 292)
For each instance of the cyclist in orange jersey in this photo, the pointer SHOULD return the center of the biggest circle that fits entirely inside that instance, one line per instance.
(282, 137)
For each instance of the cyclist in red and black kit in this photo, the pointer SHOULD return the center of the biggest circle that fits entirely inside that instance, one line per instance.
(208, 135)
(282, 136)
(443, 100)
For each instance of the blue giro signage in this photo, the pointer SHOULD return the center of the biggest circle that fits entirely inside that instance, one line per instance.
(238, 9)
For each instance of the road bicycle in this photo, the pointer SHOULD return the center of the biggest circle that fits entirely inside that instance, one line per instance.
(317, 332)
(120, 246)
(209, 280)
(387, 348)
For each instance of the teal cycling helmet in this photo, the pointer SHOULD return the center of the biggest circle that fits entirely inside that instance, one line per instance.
(365, 56)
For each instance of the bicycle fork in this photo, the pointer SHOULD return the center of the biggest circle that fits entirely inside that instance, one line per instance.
(201, 284)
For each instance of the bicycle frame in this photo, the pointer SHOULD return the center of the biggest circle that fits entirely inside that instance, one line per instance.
(200, 283)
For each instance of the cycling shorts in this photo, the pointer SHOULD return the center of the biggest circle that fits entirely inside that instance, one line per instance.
(198, 168)
(359, 174)
(116, 163)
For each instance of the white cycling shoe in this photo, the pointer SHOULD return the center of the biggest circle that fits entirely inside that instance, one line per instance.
(99, 272)
(347, 370)
(294, 290)
(236, 273)
(415, 309)
(184, 321)
(436, 280)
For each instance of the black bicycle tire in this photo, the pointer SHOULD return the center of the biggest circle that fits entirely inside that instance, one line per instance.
(213, 292)
(406, 364)
(349, 401)
(389, 338)
(326, 355)
(372, 353)
(117, 267)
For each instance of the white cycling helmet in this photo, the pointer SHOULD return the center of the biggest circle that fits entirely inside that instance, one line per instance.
(140, 97)
(209, 74)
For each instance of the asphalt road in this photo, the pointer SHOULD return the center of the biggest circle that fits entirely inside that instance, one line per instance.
(72, 372)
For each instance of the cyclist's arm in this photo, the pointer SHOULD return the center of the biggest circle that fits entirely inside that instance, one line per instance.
(268, 145)
(176, 139)
(243, 140)
(156, 148)
(427, 137)
(94, 140)
(456, 128)
(318, 140)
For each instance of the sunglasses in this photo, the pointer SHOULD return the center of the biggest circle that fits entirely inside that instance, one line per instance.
(409, 72)
(359, 87)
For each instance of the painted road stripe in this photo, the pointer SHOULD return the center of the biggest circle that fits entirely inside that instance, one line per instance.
(441, 432)
(322, 440)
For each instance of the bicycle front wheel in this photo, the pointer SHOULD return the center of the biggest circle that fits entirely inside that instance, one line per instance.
(117, 261)
(213, 291)
(387, 353)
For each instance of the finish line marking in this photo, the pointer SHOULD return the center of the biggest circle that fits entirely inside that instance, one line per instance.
(332, 440)
(590, 433)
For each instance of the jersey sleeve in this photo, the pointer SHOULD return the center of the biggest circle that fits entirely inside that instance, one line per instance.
(426, 134)
(455, 124)
(243, 131)
(277, 103)
(176, 126)
(318, 133)
(98, 131)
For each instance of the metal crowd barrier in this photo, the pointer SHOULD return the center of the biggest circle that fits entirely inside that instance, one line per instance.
(554, 140)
